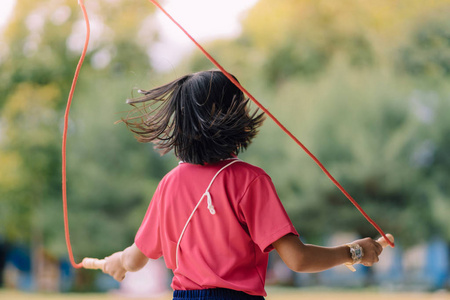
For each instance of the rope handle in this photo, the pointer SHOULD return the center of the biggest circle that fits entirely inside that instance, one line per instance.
(93, 263)
(382, 241)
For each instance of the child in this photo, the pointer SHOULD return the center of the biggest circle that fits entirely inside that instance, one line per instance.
(215, 218)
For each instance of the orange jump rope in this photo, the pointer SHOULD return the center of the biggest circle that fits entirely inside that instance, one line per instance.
(90, 263)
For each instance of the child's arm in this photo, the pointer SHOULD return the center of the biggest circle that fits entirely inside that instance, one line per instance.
(311, 258)
(131, 259)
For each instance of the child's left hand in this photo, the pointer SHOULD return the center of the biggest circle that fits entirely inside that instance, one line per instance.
(114, 267)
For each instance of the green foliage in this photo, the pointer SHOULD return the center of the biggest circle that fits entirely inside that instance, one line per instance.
(361, 83)
(427, 52)
(330, 72)
(110, 178)
(362, 134)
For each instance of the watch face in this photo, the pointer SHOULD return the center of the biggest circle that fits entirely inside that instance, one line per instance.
(358, 252)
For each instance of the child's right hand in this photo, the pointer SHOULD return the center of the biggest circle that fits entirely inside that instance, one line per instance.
(114, 267)
(372, 249)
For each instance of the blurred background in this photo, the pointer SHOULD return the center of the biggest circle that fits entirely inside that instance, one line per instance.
(363, 84)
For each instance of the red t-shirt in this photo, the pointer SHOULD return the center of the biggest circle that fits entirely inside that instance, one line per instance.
(226, 250)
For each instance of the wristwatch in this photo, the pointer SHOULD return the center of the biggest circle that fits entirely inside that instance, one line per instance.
(356, 252)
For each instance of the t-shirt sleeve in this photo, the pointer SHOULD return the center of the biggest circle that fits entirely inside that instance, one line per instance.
(148, 237)
(264, 214)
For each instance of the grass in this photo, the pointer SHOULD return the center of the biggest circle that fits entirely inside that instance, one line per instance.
(273, 294)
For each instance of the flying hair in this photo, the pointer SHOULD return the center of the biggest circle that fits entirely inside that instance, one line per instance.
(202, 116)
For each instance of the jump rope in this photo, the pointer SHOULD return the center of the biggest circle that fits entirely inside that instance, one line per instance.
(386, 239)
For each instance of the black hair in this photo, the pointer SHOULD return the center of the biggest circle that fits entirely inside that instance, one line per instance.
(202, 116)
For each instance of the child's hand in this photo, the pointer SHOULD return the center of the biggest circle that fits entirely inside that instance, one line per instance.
(371, 249)
(114, 267)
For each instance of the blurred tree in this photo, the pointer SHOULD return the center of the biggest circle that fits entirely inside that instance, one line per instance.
(431, 153)
(110, 179)
(112, 176)
(303, 38)
(427, 51)
(325, 69)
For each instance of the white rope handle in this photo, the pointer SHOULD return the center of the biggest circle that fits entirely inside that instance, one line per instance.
(93, 263)
(382, 241)
(210, 207)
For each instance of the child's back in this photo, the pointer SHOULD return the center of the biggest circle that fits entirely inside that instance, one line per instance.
(226, 247)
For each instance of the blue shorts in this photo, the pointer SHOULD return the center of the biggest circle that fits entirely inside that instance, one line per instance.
(214, 294)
